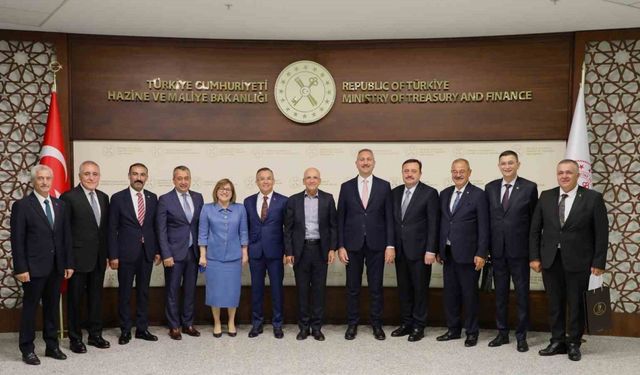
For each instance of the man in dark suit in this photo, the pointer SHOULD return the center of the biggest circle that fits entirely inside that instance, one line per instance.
(265, 211)
(568, 242)
(42, 256)
(89, 214)
(132, 249)
(365, 236)
(415, 217)
(310, 239)
(464, 244)
(177, 221)
(512, 200)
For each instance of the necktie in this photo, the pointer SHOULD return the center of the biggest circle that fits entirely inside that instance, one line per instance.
(405, 202)
(188, 214)
(456, 201)
(365, 193)
(94, 207)
(263, 210)
(561, 209)
(47, 210)
(140, 209)
(505, 197)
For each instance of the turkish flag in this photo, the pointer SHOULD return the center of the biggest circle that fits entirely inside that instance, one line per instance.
(53, 155)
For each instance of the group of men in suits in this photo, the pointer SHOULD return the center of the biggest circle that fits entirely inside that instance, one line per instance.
(564, 235)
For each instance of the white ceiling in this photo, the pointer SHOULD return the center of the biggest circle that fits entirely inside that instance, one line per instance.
(319, 19)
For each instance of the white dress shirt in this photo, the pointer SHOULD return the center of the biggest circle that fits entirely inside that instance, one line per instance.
(134, 198)
(86, 194)
(44, 208)
(259, 201)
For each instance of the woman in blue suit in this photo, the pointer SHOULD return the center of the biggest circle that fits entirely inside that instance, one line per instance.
(223, 251)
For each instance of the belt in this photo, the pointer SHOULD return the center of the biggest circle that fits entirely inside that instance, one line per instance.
(312, 241)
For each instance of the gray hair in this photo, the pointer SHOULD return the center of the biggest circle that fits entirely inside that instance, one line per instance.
(40, 167)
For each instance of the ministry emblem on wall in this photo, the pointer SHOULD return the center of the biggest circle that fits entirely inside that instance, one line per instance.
(305, 91)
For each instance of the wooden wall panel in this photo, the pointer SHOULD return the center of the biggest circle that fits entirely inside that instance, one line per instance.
(538, 63)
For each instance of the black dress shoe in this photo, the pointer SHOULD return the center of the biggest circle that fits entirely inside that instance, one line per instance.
(416, 335)
(448, 336)
(31, 359)
(351, 333)
(77, 347)
(217, 335)
(146, 335)
(255, 331)
(277, 332)
(574, 352)
(124, 338)
(55, 353)
(98, 342)
(302, 335)
(471, 340)
(317, 334)
(553, 349)
(401, 331)
(378, 333)
(232, 334)
(499, 340)
(523, 346)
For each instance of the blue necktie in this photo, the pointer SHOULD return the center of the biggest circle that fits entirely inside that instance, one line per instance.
(188, 214)
(47, 210)
(456, 201)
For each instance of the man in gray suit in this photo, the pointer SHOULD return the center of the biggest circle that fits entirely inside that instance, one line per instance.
(568, 242)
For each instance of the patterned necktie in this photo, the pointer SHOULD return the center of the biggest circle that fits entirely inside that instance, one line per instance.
(505, 197)
(188, 214)
(561, 209)
(405, 202)
(365, 193)
(141, 211)
(456, 201)
(94, 207)
(47, 210)
(187, 208)
(264, 209)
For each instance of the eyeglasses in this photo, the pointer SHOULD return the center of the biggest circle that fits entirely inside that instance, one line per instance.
(227, 190)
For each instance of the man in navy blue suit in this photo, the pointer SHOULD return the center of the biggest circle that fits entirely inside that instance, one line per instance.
(365, 236)
(265, 212)
(177, 220)
(42, 255)
(464, 244)
(512, 200)
(132, 249)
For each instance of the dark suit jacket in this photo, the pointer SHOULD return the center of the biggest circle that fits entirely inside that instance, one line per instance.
(468, 227)
(35, 246)
(510, 228)
(173, 227)
(417, 233)
(126, 233)
(266, 238)
(584, 237)
(89, 239)
(376, 220)
(294, 224)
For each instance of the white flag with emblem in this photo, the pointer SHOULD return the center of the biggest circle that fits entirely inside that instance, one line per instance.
(578, 143)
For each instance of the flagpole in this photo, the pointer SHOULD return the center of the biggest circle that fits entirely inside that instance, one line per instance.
(55, 67)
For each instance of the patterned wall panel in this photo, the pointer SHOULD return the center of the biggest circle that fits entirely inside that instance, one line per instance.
(25, 84)
(612, 98)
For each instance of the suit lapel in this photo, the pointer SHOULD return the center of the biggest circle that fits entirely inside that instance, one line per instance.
(178, 204)
(556, 207)
(57, 212)
(147, 210)
(129, 203)
(38, 208)
(575, 207)
(412, 202)
(86, 204)
(514, 194)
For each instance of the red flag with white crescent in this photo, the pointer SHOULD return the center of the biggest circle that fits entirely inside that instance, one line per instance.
(53, 155)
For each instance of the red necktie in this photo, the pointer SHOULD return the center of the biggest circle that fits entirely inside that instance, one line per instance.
(140, 209)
